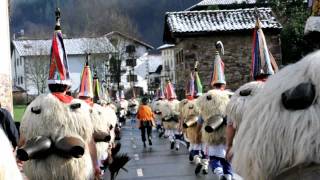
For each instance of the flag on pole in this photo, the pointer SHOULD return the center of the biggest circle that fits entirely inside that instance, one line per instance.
(262, 63)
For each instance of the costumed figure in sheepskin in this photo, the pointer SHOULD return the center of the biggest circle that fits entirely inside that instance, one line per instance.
(263, 65)
(56, 130)
(8, 166)
(190, 114)
(170, 117)
(101, 119)
(279, 134)
(133, 106)
(122, 105)
(213, 120)
(235, 109)
(157, 103)
(61, 132)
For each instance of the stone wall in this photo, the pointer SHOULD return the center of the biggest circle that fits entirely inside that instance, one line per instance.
(237, 58)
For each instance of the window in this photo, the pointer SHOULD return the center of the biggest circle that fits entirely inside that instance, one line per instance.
(21, 80)
(179, 57)
(18, 80)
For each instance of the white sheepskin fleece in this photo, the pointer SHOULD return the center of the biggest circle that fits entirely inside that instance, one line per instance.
(169, 109)
(8, 166)
(101, 123)
(182, 103)
(131, 108)
(123, 104)
(238, 103)
(156, 106)
(112, 106)
(216, 106)
(189, 113)
(55, 120)
(110, 116)
(271, 138)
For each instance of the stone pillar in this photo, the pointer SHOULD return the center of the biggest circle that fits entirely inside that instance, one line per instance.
(5, 65)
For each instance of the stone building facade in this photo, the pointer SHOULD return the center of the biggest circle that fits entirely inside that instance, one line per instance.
(237, 58)
(195, 33)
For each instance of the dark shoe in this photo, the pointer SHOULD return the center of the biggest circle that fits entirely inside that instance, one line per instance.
(198, 169)
(172, 145)
(150, 143)
(144, 144)
(161, 134)
(190, 157)
(204, 171)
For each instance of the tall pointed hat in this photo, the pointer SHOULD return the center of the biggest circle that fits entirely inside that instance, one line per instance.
(198, 90)
(160, 93)
(59, 68)
(262, 62)
(218, 76)
(169, 91)
(190, 89)
(96, 89)
(122, 95)
(117, 96)
(86, 86)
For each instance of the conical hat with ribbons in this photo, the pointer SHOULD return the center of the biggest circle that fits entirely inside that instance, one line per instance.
(59, 68)
(218, 76)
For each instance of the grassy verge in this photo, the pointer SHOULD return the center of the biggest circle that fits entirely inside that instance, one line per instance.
(18, 111)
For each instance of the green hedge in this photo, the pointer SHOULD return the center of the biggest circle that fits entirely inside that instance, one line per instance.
(18, 111)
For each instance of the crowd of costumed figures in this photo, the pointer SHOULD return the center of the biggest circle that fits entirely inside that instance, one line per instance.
(266, 129)
(63, 137)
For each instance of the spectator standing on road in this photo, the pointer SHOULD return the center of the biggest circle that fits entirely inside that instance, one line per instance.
(146, 118)
(8, 126)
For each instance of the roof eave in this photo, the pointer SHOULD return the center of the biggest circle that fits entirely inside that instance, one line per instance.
(214, 33)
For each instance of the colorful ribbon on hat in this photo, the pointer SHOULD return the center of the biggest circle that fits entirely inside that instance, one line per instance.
(170, 93)
(262, 62)
(218, 76)
(86, 88)
(59, 68)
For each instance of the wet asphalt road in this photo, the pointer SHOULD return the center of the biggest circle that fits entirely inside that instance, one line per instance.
(156, 162)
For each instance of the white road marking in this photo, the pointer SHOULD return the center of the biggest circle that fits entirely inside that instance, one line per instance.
(136, 157)
(139, 172)
(134, 146)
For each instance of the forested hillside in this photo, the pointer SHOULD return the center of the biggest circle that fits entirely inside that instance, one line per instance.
(142, 18)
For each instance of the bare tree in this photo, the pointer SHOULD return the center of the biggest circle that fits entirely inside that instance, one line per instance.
(37, 73)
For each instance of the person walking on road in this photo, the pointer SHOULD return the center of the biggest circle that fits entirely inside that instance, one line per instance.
(146, 118)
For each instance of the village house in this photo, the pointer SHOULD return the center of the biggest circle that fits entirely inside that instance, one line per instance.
(195, 33)
(123, 43)
(30, 61)
(168, 61)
